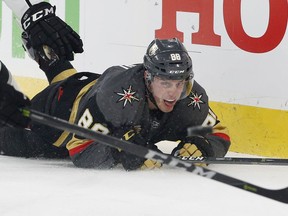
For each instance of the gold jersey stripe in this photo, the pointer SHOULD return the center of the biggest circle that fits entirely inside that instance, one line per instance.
(63, 75)
(73, 115)
(75, 142)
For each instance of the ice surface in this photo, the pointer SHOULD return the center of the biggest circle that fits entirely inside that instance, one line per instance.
(55, 187)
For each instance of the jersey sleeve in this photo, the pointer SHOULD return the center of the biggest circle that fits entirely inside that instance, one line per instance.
(20, 6)
(219, 138)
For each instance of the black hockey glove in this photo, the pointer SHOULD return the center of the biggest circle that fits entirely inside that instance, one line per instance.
(45, 28)
(132, 162)
(43, 55)
(11, 101)
(195, 146)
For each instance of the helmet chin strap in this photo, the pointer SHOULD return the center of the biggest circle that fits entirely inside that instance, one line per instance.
(151, 98)
(148, 79)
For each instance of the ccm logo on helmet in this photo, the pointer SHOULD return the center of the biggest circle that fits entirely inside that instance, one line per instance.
(36, 16)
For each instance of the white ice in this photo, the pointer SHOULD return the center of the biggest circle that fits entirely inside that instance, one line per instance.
(55, 187)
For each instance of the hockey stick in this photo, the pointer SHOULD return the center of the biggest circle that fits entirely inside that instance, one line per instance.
(204, 130)
(280, 195)
(236, 160)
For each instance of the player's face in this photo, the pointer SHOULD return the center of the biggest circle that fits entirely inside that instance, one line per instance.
(166, 92)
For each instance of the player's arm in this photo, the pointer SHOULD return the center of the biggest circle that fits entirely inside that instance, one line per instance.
(219, 138)
(86, 153)
(11, 101)
(41, 25)
(92, 154)
(215, 144)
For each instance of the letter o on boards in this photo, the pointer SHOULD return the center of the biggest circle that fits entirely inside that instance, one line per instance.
(274, 34)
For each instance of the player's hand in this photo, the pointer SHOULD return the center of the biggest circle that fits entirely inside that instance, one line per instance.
(130, 161)
(44, 55)
(43, 27)
(11, 101)
(195, 146)
(150, 164)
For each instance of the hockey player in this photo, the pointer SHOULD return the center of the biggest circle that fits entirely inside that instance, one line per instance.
(144, 104)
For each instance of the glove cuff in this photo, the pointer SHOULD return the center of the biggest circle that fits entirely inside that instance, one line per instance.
(204, 146)
(36, 13)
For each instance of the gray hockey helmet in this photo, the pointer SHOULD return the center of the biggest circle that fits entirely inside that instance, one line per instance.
(168, 58)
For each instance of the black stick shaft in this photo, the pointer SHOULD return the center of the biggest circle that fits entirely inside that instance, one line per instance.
(237, 160)
(279, 195)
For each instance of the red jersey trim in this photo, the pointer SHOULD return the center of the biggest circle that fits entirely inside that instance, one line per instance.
(80, 148)
(222, 135)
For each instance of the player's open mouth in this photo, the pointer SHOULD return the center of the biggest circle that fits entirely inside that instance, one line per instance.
(169, 102)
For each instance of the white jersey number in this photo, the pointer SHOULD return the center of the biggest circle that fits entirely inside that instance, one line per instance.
(210, 120)
(86, 121)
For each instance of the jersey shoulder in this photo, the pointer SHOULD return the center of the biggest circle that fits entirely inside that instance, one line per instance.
(120, 94)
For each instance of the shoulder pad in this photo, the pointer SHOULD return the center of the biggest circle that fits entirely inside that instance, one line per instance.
(121, 95)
